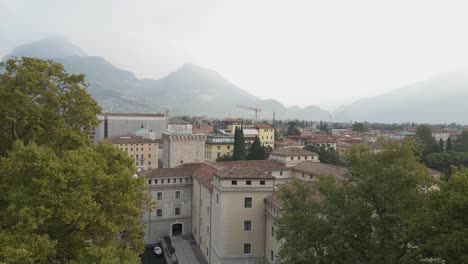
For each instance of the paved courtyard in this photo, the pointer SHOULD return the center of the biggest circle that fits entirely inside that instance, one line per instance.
(184, 251)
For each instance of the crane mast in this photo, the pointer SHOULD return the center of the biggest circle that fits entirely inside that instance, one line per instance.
(256, 110)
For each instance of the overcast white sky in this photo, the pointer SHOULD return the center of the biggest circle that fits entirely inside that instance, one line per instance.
(324, 52)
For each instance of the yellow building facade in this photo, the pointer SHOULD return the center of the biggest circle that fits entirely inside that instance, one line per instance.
(217, 146)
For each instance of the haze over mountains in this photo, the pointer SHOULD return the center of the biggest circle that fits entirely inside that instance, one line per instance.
(194, 90)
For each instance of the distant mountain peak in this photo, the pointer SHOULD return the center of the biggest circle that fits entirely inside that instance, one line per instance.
(50, 47)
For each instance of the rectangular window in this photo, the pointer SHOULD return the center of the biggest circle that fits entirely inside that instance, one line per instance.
(292, 158)
(247, 248)
(175, 180)
(149, 182)
(299, 158)
(142, 149)
(272, 256)
(233, 182)
(136, 163)
(149, 162)
(305, 157)
(156, 181)
(149, 155)
(248, 182)
(137, 156)
(247, 225)
(272, 231)
(159, 212)
(186, 179)
(207, 251)
(131, 149)
(177, 211)
(248, 202)
(159, 195)
(180, 180)
(136, 149)
(228, 147)
(262, 182)
(162, 181)
(217, 198)
(281, 173)
(177, 194)
(219, 147)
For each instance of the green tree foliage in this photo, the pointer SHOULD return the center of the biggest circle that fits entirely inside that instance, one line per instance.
(441, 145)
(424, 134)
(256, 150)
(359, 127)
(447, 228)
(239, 144)
(62, 200)
(225, 157)
(461, 144)
(40, 102)
(323, 127)
(444, 161)
(449, 144)
(326, 155)
(292, 129)
(370, 216)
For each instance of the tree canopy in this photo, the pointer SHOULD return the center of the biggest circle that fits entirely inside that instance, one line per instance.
(326, 154)
(62, 200)
(369, 216)
(256, 150)
(41, 102)
(239, 144)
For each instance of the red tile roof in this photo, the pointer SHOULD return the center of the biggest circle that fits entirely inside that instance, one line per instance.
(293, 152)
(243, 173)
(264, 126)
(264, 165)
(274, 201)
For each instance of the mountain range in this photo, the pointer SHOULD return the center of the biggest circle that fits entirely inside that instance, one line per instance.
(191, 90)
(194, 90)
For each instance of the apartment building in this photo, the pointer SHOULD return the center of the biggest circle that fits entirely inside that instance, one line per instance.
(217, 146)
(142, 150)
(121, 124)
(232, 204)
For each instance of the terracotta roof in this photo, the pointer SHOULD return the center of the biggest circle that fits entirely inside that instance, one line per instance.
(274, 200)
(293, 152)
(287, 142)
(243, 173)
(232, 120)
(264, 165)
(264, 126)
(129, 140)
(183, 170)
(204, 174)
(317, 168)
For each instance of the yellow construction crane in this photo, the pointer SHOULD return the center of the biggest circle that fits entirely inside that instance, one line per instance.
(256, 109)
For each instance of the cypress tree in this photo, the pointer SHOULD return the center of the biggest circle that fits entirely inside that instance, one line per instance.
(239, 144)
(256, 151)
(449, 144)
(441, 145)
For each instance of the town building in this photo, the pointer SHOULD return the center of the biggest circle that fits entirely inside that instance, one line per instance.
(228, 207)
(121, 124)
(266, 134)
(143, 151)
(177, 125)
(182, 148)
(217, 146)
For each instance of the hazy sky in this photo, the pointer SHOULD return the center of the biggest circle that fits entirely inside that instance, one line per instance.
(299, 52)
